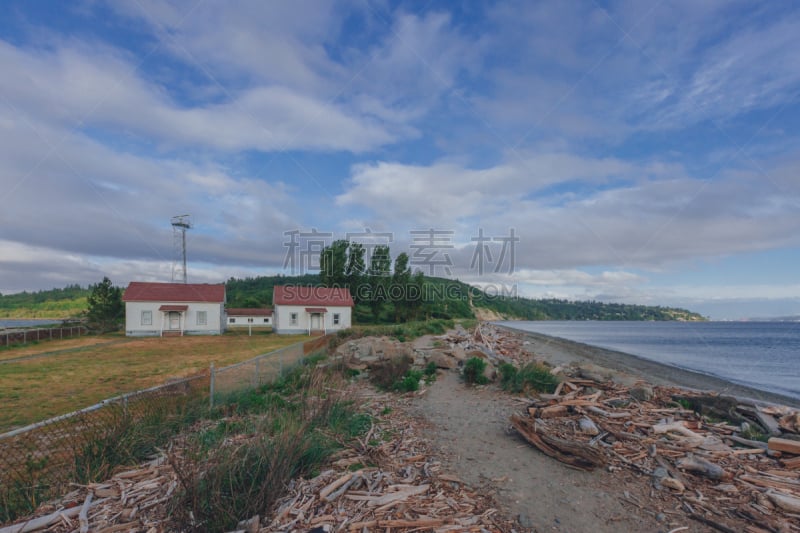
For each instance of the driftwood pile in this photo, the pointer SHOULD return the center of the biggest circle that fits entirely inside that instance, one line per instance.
(703, 465)
(134, 500)
(405, 490)
(387, 481)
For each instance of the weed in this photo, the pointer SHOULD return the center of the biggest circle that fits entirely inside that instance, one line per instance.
(474, 370)
(384, 374)
(409, 382)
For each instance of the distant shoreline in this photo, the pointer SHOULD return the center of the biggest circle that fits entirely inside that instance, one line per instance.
(560, 351)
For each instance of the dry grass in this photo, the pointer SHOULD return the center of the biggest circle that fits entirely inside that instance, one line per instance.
(51, 385)
(47, 346)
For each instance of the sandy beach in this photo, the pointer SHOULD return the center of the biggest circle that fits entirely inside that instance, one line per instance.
(627, 367)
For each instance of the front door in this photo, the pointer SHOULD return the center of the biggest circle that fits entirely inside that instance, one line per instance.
(316, 322)
(174, 320)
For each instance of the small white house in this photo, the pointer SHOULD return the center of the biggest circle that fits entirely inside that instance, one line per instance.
(248, 317)
(161, 309)
(299, 309)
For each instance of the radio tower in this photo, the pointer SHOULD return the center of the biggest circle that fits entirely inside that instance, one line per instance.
(180, 223)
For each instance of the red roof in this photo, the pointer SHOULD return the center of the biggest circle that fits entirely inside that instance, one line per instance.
(316, 310)
(243, 311)
(173, 308)
(311, 296)
(141, 291)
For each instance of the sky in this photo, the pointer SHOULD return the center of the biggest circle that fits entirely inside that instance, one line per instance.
(637, 152)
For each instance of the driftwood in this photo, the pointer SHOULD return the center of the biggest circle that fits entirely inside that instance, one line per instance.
(575, 454)
(785, 501)
(784, 445)
(701, 466)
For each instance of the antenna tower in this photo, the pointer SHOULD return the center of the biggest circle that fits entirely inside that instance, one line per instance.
(180, 223)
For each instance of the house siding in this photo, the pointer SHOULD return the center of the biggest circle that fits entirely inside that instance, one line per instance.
(242, 321)
(215, 319)
(282, 319)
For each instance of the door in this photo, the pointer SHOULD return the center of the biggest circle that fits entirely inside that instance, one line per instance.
(316, 322)
(174, 320)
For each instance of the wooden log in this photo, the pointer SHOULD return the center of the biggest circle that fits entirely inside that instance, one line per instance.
(747, 442)
(83, 516)
(672, 483)
(552, 411)
(767, 483)
(701, 466)
(792, 463)
(575, 454)
(44, 521)
(784, 501)
(784, 445)
(677, 427)
(324, 493)
(588, 426)
(768, 422)
(606, 414)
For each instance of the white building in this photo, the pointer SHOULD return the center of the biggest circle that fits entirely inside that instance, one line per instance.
(160, 309)
(248, 317)
(311, 309)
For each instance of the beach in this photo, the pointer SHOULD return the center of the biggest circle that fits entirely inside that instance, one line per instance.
(628, 367)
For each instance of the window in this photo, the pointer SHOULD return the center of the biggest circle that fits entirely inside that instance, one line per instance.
(202, 318)
(249, 320)
(335, 319)
(147, 318)
(231, 320)
(293, 318)
(266, 321)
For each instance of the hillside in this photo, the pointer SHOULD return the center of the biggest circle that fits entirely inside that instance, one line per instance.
(445, 298)
(441, 298)
(54, 303)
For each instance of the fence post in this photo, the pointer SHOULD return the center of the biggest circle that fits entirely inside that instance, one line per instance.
(211, 388)
(257, 377)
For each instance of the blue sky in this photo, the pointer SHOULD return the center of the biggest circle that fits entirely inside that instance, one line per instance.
(641, 152)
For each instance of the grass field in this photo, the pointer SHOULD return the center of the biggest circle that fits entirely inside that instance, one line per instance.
(67, 375)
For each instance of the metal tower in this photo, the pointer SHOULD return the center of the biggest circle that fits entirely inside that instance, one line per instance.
(180, 223)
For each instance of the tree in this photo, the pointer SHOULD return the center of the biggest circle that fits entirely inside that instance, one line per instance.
(332, 264)
(401, 285)
(105, 310)
(379, 267)
(355, 269)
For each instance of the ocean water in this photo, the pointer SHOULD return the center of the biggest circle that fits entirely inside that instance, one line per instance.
(762, 355)
(25, 323)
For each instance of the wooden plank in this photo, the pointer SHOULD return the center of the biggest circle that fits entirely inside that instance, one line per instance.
(784, 445)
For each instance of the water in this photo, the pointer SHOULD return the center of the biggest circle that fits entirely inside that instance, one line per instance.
(761, 355)
(25, 323)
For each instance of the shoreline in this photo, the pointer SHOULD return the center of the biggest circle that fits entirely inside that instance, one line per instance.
(560, 351)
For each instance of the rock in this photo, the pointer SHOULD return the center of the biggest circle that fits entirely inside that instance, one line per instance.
(458, 353)
(525, 521)
(443, 360)
(642, 392)
(475, 353)
(490, 372)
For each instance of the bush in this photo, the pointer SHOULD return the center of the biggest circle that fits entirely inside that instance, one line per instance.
(409, 382)
(384, 374)
(473, 371)
(532, 376)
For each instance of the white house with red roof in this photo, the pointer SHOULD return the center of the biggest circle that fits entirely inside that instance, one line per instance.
(248, 317)
(303, 309)
(161, 309)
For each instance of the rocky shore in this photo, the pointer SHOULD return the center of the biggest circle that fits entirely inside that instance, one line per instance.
(558, 351)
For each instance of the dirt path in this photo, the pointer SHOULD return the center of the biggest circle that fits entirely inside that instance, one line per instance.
(469, 425)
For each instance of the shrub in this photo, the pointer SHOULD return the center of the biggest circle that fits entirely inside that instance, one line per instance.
(409, 382)
(532, 376)
(384, 374)
(473, 371)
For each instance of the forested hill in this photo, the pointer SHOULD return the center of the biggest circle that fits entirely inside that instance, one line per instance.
(442, 298)
(54, 303)
(445, 298)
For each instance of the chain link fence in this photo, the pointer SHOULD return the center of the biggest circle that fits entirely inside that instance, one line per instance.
(40, 461)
